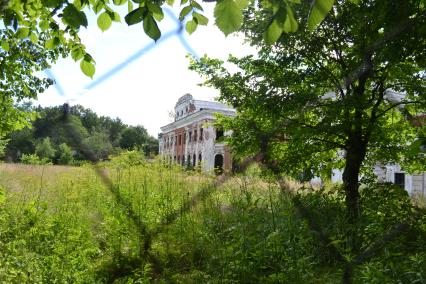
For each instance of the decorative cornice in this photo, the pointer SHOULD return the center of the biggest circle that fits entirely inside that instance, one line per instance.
(194, 117)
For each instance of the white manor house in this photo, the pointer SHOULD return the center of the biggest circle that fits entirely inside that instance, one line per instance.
(192, 140)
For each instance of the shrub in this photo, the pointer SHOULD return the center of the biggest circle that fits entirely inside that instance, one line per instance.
(33, 159)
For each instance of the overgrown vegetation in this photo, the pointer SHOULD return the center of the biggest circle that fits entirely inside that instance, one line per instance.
(159, 224)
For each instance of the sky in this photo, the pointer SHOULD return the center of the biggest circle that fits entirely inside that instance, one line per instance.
(145, 90)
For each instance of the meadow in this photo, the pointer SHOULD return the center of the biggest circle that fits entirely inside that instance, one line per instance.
(138, 222)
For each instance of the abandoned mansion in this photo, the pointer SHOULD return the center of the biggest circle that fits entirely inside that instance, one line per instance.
(192, 140)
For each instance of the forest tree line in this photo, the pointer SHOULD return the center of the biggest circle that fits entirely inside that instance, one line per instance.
(73, 134)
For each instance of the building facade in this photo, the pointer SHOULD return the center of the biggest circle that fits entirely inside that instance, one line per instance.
(191, 140)
(414, 184)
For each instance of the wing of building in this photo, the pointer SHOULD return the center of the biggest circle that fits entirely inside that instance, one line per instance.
(191, 140)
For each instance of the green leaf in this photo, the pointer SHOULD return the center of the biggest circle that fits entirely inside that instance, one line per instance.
(44, 25)
(185, 11)
(51, 43)
(87, 67)
(319, 9)
(22, 33)
(104, 21)
(150, 27)
(354, 1)
(115, 16)
(242, 3)
(52, 3)
(129, 6)
(134, 17)
(98, 6)
(5, 45)
(229, 16)
(78, 4)
(119, 2)
(290, 24)
(33, 38)
(191, 26)
(73, 17)
(202, 20)
(196, 5)
(273, 32)
(170, 2)
(77, 54)
(156, 10)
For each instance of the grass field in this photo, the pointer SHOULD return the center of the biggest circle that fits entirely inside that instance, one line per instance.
(149, 223)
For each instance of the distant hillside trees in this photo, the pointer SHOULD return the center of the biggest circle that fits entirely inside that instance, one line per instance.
(67, 134)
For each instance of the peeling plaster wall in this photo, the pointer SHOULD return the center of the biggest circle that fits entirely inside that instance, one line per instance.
(194, 116)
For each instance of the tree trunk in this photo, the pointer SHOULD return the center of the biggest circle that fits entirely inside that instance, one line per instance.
(355, 155)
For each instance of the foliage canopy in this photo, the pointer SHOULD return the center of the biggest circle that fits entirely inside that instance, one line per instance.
(346, 96)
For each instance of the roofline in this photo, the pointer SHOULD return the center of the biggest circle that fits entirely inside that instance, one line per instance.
(206, 113)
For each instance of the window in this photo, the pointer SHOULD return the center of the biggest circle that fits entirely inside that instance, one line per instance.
(400, 179)
(175, 141)
(184, 139)
(195, 135)
(174, 158)
(178, 160)
(180, 139)
(201, 134)
(183, 160)
(194, 159)
(190, 136)
(219, 133)
(199, 158)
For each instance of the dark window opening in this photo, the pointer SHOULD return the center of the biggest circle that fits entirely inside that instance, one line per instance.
(194, 159)
(219, 134)
(190, 136)
(195, 135)
(201, 134)
(175, 140)
(199, 158)
(184, 139)
(189, 160)
(400, 179)
(174, 159)
(218, 164)
(183, 160)
(178, 160)
(180, 139)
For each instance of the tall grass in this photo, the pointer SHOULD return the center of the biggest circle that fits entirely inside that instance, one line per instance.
(157, 223)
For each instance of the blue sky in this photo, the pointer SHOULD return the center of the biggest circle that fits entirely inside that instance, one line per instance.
(146, 89)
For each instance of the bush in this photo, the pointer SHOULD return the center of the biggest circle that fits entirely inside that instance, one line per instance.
(65, 154)
(44, 149)
(33, 159)
(127, 159)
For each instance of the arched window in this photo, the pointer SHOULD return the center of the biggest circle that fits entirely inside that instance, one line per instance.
(199, 158)
(194, 159)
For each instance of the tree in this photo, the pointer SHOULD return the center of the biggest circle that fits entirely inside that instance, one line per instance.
(3, 144)
(45, 150)
(20, 142)
(97, 146)
(49, 29)
(133, 137)
(18, 63)
(331, 98)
